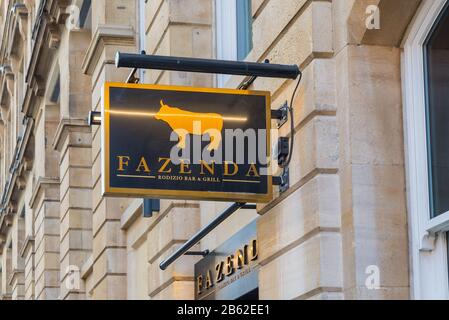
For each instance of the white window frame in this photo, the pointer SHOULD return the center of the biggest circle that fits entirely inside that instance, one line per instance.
(429, 263)
(142, 33)
(226, 34)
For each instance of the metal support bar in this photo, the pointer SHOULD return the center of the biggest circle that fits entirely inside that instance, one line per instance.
(246, 84)
(197, 253)
(200, 235)
(283, 181)
(132, 77)
(281, 114)
(140, 61)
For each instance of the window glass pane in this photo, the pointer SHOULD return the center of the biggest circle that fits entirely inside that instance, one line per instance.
(437, 71)
(226, 29)
(244, 28)
(447, 250)
(85, 14)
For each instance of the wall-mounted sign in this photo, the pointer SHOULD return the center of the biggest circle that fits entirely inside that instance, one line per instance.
(231, 271)
(186, 143)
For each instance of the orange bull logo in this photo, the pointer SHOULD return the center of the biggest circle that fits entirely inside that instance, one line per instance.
(185, 122)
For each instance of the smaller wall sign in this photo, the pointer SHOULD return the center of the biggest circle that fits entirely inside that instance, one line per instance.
(231, 271)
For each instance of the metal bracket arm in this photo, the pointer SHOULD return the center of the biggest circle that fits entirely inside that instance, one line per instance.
(201, 234)
(283, 181)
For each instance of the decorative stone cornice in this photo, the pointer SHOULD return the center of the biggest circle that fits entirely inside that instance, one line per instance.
(47, 38)
(131, 214)
(6, 296)
(58, 10)
(65, 127)
(20, 11)
(2, 233)
(37, 86)
(4, 110)
(52, 36)
(28, 245)
(107, 35)
(11, 208)
(21, 183)
(87, 268)
(3, 92)
(9, 220)
(47, 35)
(394, 21)
(27, 164)
(14, 275)
(15, 40)
(9, 77)
(42, 184)
(34, 90)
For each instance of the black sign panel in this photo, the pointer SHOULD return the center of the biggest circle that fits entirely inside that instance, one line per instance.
(231, 271)
(186, 143)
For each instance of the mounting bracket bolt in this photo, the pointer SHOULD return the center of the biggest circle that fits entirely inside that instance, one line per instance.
(281, 114)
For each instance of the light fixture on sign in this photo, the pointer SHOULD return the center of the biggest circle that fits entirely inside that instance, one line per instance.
(177, 115)
(94, 118)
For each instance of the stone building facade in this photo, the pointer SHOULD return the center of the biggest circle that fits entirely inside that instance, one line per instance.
(349, 211)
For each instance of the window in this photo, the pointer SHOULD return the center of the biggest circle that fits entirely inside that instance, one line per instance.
(233, 31)
(426, 114)
(86, 14)
(447, 253)
(244, 28)
(436, 51)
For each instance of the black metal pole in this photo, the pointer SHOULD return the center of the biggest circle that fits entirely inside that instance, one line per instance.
(200, 235)
(141, 61)
(197, 253)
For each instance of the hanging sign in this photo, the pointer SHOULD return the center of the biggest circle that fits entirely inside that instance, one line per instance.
(231, 271)
(186, 143)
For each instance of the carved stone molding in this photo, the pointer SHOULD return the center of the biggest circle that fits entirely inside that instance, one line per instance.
(15, 274)
(42, 184)
(28, 245)
(65, 127)
(27, 164)
(58, 10)
(107, 35)
(21, 183)
(20, 12)
(9, 76)
(11, 208)
(4, 111)
(428, 242)
(38, 86)
(395, 17)
(9, 220)
(53, 36)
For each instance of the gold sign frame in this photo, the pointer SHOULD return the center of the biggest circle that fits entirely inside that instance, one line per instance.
(108, 190)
